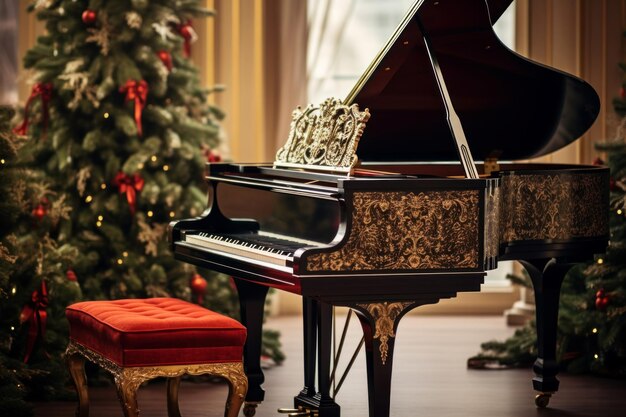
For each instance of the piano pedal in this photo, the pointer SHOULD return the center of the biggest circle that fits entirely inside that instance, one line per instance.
(298, 412)
(305, 413)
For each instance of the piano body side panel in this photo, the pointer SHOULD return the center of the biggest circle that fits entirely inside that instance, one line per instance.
(415, 230)
(552, 214)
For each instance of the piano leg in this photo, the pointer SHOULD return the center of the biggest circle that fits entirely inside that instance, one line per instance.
(380, 323)
(252, 307)
(309, 316)
(318, 319)
(547, 276)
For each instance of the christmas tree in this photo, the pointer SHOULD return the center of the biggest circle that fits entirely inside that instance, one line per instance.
(119, 125)
(33, 331)
(118, 120)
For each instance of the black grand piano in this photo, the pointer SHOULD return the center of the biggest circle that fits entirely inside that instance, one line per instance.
(415, 219)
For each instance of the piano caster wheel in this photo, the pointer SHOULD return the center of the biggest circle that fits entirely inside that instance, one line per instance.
(542, 400)
(249, 409)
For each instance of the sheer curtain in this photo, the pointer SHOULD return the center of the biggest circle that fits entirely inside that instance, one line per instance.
(326, 21)
(286, 36)
(344, 37)
(8, 51)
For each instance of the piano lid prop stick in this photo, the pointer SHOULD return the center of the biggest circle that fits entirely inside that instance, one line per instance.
(454, 123)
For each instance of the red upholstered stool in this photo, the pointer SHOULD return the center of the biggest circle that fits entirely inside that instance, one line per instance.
(137, 340)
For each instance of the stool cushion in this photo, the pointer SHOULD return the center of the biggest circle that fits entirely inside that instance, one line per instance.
(156, 332)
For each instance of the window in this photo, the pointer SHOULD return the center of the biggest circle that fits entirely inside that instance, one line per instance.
(346, 35)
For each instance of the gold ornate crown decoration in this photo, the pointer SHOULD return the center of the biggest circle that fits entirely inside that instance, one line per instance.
(323, 138)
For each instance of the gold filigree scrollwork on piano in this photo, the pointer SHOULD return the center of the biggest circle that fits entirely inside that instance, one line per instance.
(555, 207)
(384, 316)
(323, 138)
(407, 231)
(492, 222)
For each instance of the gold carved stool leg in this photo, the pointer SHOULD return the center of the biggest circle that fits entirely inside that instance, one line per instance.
(173, 385)
(76, 365)
(127, 382)
(237, 387)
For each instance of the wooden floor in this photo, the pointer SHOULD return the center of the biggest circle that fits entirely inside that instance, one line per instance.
(430, 379)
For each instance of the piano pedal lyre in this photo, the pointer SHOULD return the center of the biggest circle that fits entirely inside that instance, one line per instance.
(298, 412)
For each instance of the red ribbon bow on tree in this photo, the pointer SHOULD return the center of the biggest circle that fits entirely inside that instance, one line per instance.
(129, 185)
(35, 313)
(189, 35)
(44, 90)
(136, 91)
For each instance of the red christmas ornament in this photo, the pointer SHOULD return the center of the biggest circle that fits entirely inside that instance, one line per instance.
(166, 59)
(198, 286)
(602, 303)
(189, 35)
(598, 161)
(71, 275)
(39, 212)
(213, 156)
(43, 90)
(136, 91)
(612, 184)
(622, 92)
(89, 17)
(602, 300)
(129, 185)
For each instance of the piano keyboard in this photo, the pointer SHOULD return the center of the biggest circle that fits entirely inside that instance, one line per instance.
(261, 246)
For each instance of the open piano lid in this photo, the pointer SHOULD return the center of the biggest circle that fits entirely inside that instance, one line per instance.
(510, 108)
